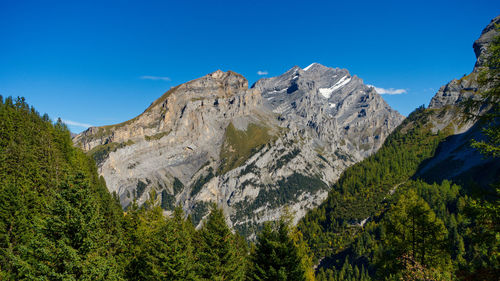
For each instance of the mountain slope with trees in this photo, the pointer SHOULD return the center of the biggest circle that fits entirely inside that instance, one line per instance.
(401, 214)
(59, 222)
(57, 218)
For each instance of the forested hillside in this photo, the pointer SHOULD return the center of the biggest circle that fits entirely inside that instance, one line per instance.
(57, 219)
(59, 222)
(383, 220)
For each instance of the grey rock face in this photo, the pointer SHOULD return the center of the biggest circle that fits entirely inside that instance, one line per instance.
(481, 45)
(462, 162)
(332, 107)
(455, 91)
(315, 122)
(458, 90)
(455, 159)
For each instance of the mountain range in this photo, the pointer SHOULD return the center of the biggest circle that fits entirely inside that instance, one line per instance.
(281, 142)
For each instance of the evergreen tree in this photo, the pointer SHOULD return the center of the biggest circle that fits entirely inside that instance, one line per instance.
(179, 263)
(160, 248)
(414, 230)
(57, 219)
(276, 256)
(219, 254)
(484, 252)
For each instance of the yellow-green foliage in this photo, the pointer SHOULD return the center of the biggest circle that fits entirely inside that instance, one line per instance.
(101, 152)
(470, 76)
(240, 145)
(157, 136)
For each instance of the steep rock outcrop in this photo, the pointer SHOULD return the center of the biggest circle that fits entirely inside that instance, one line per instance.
(463, 163)
(459, 89)
(482, 44)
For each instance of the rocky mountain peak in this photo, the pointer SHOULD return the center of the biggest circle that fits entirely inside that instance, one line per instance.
(316, 67)
(218, 74)
(319, 95)
(281, 93)
(230, 79)
(219, 82)
(459, 89)
(481, 45)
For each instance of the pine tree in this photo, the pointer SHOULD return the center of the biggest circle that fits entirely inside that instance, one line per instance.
(179, 251)
(485, 255)
(57, 219)
(414, 229)
(276, 256)
(219, 257)
(160, 248)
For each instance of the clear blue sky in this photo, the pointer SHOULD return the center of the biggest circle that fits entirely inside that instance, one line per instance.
(92, 62)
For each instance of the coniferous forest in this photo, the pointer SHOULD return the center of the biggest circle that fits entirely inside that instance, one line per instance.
(59, 222)
(382, 220)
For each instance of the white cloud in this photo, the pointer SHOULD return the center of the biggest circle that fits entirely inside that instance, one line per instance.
(262, 72)
(148, 77)
(77, 124)
(390, 91)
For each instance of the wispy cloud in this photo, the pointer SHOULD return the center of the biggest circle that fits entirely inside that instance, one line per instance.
(262, 72)
(148, 77)
(77, 124)
(389, 91)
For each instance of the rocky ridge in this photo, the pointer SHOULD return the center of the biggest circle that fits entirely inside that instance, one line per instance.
(462, 161)
(458, 90)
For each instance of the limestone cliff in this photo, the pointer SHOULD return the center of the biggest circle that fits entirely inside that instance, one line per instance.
(281, 142)
(455, 159)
